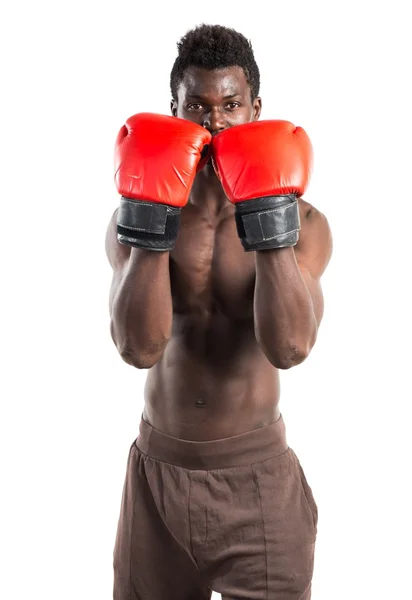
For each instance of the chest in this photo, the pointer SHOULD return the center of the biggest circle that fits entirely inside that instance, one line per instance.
(210, 272)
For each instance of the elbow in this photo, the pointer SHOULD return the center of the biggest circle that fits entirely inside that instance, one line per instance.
(136, 360)
(288, 357)
(291, 353)
(142, 359)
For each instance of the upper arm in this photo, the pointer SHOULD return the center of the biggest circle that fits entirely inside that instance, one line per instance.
(313, 252)
(118, 255)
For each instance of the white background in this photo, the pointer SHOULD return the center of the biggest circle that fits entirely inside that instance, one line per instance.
(72, 72)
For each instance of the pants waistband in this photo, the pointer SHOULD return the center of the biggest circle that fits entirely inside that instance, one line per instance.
(244, 449)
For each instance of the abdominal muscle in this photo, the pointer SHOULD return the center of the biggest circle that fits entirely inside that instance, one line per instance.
(213, 381)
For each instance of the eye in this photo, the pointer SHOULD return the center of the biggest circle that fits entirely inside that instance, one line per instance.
(232, 105)
(194, 106)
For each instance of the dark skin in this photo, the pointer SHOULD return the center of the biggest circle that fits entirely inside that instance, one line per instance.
(213, 323)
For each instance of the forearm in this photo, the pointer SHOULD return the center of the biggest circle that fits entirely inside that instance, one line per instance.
(142, 308)
(285, 323)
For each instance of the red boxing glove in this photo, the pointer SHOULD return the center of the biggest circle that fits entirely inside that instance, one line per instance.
(264, 167)
(156, 161)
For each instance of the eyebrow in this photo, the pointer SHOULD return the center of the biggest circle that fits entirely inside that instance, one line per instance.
(196, 97)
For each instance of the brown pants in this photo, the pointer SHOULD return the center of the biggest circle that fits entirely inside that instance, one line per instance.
(234, 515)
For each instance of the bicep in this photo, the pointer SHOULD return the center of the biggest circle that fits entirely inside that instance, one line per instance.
(313, 253)
(118, 255)
(315, 244)
(315, 290)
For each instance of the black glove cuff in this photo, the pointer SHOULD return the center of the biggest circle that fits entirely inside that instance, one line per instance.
(148, 225)
(270, 222)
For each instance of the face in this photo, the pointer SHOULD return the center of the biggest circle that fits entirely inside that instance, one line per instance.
(216, 99)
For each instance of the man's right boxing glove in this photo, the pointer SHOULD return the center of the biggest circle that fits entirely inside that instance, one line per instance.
(156, 160)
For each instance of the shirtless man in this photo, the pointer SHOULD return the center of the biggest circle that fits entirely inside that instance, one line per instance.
(214, 498)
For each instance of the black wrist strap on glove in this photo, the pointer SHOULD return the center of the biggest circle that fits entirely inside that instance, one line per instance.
(147, 225)
(270, 222)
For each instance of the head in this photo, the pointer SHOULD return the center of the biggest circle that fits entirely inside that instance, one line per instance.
(215, 79)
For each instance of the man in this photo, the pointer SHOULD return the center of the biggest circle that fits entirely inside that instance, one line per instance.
(216, 286)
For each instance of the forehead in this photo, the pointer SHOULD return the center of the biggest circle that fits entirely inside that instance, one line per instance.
(229, 81)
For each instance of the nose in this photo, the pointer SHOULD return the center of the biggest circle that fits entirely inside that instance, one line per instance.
(213, 121)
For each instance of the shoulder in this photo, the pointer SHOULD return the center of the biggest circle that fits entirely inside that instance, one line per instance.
(315, 244)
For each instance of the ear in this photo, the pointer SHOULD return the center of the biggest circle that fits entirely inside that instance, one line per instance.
(257, 108)
(173, 107)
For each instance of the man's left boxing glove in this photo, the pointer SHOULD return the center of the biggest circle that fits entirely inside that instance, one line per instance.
(264, 167)
(156, 160)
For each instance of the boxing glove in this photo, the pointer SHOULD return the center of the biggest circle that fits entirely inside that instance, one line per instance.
(156, 160)
(264, 167)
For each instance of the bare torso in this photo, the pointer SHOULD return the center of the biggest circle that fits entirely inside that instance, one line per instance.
(213, 380)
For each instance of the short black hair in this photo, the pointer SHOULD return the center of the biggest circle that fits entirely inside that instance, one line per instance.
(214, 47)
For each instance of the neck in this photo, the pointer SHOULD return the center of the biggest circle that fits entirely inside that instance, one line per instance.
(207, 191)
